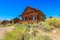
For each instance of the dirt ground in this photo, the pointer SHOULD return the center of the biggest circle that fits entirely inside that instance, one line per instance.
(54, 36)
(4, 29)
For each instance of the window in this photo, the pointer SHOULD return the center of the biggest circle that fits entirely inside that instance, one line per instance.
(33, 17)
(24, 19)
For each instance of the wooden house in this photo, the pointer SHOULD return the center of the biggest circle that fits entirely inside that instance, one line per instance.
(4, 22)
(32, 15)
(15, 20)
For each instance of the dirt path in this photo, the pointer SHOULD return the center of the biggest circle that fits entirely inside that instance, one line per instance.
(54, 36)
(4, 29)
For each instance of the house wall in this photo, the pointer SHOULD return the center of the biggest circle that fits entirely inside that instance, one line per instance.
(32, 15)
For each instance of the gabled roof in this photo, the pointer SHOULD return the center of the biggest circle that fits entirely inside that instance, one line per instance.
(16, 19)
(28, 7)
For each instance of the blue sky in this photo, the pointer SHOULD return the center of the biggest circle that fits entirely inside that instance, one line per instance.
(10, 9)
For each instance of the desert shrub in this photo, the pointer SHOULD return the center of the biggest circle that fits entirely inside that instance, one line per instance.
(20, 32)
(57, 22)
(51, 21)
(27, 36)
(9, 24)
(25, 24)
(34, 26)
(40, 36)
(45, 26)
(1, 26)
(54, 21)
(16, 34)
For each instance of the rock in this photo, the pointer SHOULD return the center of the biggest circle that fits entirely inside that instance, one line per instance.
(53, 31)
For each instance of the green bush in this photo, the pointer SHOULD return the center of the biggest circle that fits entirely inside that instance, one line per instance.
(9, 24)
(27, 36)
(21, 32)
(45, 26)
(40, 36)
(16, 34)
